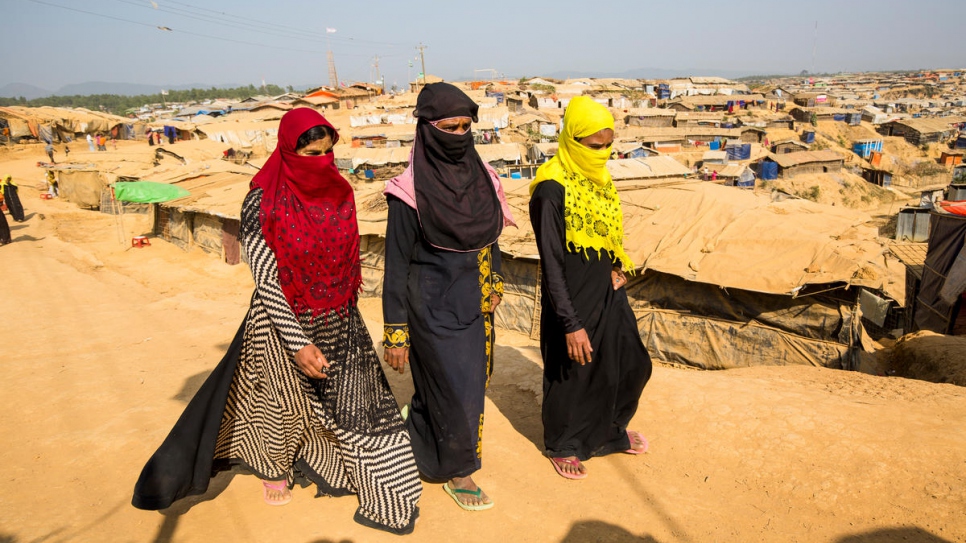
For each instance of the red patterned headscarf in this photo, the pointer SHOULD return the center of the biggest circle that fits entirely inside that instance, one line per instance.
(308, 218)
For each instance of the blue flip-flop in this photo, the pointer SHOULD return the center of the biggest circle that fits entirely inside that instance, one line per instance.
(476, 493)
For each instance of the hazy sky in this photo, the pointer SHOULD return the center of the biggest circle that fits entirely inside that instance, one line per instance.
(217, 42)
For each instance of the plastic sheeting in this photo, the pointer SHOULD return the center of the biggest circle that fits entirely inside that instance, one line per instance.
(768, 171)
(147, 192)
(739, 152)
(947, 237)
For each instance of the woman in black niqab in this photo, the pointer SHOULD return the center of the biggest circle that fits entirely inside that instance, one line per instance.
(458, 208)
(442, 283)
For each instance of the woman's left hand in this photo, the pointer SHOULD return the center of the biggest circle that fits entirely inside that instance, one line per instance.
(617, 278)
(494, 301)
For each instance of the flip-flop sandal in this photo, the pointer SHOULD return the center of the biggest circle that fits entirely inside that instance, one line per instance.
(640, 438)
(278, 486)
(575, 463)
(466, 507)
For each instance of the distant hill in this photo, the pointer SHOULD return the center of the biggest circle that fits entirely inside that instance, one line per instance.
(128, 89)
(30, 92)
(16, 90)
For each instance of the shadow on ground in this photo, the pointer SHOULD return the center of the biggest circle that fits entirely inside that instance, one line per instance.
(172, 515)
(894, 535)
(598, 530)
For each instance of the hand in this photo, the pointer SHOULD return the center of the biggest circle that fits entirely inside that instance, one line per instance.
(311, 361)
(578, 346)
(617, 278)
(397, 358)
(495, 300)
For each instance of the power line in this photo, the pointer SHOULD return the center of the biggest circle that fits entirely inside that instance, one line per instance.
(286, 28)
(188, 32)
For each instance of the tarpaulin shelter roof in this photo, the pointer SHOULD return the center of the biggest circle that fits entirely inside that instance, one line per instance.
(379, 156)
(787, 160)
(501, 151)
(220, 194)
(646, 168)
(731, 238)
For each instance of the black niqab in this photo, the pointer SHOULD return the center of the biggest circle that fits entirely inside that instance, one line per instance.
(455, 199)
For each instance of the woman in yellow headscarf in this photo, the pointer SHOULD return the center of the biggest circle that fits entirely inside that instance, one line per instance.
(595, 364)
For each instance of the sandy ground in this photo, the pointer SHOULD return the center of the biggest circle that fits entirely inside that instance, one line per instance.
(102, 345)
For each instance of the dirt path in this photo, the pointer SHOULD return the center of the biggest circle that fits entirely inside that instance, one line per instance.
(102, 345)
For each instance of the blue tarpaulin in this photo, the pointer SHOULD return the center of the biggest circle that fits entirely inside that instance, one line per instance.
(739, 152)
(769, 170)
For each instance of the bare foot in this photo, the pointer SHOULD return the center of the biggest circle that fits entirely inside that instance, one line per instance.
(638, 442)
(276, 492)
(466, 483)
(570, 465)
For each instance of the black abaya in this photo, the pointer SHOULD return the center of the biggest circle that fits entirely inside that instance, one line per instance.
(11, 198)
(4, 230)
(586, 408)
(433, 303)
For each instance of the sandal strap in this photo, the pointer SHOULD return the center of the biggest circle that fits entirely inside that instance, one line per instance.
(568, 461)
(477, 493)
(276, 485)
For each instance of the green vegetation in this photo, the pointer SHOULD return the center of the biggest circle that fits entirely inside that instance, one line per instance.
(818, 145)
(813, 119)
(812, 193)
(120, 105)
(926, 168)
(541, 87)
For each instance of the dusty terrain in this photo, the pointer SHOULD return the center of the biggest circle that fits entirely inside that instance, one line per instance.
(102, 345)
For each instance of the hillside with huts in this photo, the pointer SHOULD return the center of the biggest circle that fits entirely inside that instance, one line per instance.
(797, 217)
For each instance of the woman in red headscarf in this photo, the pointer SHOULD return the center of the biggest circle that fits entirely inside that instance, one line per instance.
(301, 395)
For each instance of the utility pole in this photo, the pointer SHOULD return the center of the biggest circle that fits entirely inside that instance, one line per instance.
(422, 59)
(333, 77)
(814, 48)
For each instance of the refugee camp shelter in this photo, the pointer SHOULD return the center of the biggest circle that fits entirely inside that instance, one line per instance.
(805, 114)
(384, 135)
(650, 117)
(877, 176)
(792, 164)
(788, 146)
(55, 124)
(371, 164)
(940, 302)
(501, 155)
(258, 137)
(921, 131)
(320, 102)
(542, 152)
(725, 279)
(698, 118)
(209, 218)
(652, 167)
(80, 184)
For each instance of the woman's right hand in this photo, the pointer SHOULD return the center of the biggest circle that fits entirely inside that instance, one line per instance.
(578, 346)
(311, 361)
(397, 358)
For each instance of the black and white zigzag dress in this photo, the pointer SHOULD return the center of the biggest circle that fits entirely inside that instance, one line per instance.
(343, 433)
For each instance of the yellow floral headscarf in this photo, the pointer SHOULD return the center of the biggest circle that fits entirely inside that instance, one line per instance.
(592, 207)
